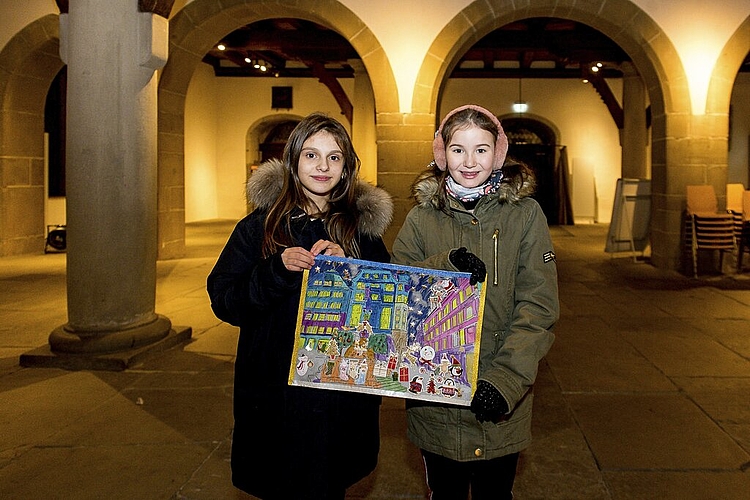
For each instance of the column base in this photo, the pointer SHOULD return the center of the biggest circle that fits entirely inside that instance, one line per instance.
(45, 357)
(63, 339)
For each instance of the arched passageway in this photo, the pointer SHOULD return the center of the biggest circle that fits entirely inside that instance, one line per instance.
(193, 32)
(673, 161)
(273, 144)
(535, 143)
(30, 62)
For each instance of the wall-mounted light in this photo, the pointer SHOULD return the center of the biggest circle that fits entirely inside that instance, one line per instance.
(520, 106)
(221, 46)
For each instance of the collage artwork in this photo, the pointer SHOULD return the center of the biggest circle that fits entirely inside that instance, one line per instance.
(390, 330)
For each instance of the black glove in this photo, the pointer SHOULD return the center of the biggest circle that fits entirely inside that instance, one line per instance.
(488, 404)
(469, 263)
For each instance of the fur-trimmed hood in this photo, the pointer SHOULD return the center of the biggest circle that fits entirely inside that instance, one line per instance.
(518, 182)
(374, 204)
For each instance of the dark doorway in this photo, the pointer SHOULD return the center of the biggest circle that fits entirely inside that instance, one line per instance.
(534, 143)
(273, 145)
(54, 126)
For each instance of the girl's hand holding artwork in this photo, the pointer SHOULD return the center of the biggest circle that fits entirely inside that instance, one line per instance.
(327, 248)
(299, 259)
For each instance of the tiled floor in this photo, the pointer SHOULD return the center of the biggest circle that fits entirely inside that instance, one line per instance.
(644, 395)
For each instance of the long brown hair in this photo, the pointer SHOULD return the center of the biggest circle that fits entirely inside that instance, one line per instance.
(341, 216)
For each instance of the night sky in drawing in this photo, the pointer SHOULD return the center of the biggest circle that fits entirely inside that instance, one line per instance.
(419, 302)
(418, 286)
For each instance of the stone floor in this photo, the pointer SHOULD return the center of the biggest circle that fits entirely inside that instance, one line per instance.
(644, 395)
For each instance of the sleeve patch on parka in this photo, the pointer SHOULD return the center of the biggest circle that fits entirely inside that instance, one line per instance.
(549, 257)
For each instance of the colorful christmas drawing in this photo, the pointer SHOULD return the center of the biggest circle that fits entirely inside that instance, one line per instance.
(390, 330)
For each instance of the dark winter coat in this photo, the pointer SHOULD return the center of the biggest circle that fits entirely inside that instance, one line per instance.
(508, 231)
(289, 441)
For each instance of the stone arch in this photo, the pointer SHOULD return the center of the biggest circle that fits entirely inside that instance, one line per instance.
(540, 130)
(535, 143)
(193, 30)
(538, 118)
(28, 64)
(651, 52)
(726, 68)
(257, 133)
(620, 20)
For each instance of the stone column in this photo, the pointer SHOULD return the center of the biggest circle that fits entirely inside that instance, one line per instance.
(404, 149)
(112, 51)
(364, 136)
(634, 136)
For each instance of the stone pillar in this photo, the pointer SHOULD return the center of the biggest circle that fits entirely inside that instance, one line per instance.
(699, 157)
(634, 135)
(364, 136)
(404, 150)
(112, 51)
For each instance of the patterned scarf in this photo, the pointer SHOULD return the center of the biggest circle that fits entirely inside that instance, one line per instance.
(464, 194)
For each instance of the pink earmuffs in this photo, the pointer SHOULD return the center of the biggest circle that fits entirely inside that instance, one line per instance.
(501, 145)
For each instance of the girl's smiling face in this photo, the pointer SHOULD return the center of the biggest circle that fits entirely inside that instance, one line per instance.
(470, 155)
(321, 164)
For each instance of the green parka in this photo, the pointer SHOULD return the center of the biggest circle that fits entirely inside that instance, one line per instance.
(508, 231)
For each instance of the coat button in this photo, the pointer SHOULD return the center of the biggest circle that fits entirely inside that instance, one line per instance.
(478, 452)
(474, 222)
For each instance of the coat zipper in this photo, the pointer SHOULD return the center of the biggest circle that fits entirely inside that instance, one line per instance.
(495, 237)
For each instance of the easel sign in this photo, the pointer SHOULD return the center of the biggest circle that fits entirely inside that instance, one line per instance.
(631, 217)
(389, 330)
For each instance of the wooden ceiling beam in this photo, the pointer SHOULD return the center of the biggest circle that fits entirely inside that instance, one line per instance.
(335, 88)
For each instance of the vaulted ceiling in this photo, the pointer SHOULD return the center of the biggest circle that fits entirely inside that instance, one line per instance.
(542, 47)
(532, 48)
(287, 47)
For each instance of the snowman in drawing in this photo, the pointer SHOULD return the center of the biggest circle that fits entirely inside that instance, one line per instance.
(426, 357)
(302, 364)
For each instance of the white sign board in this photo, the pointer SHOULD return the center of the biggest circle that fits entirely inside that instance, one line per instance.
(631, 216)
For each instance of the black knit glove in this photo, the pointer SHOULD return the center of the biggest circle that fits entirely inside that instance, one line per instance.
(469, 263)
(488, 404)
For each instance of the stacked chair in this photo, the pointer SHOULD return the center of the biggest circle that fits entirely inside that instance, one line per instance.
(734, 207)
(744, 239)
(707, 228)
